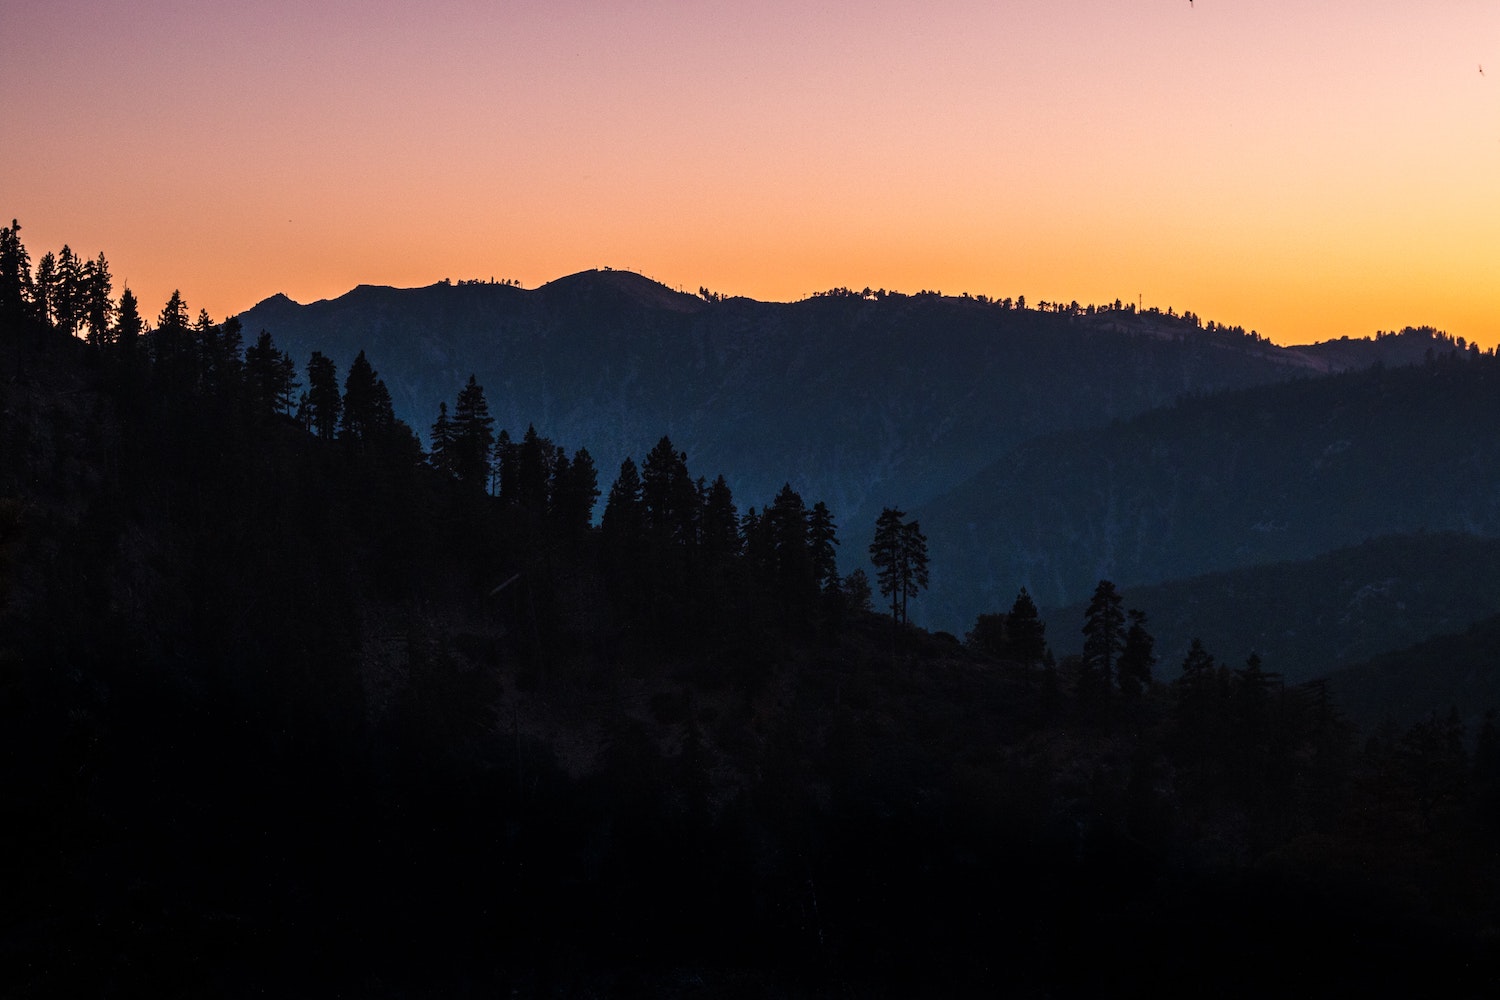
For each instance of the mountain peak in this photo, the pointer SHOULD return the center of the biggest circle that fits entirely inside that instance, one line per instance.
(280, 300)
(637, 288)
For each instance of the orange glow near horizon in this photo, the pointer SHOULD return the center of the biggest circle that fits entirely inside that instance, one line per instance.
(1308, 171)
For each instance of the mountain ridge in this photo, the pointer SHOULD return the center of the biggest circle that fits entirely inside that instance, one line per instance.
(428, 340)
(859, 400)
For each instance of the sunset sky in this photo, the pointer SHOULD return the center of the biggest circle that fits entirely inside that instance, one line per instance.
(1308, 170)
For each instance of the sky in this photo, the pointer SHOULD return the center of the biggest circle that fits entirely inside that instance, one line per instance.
(1307, 170)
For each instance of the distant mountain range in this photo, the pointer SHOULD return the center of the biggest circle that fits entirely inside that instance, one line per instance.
(1313, 617)
(1264, 475)
(1008, 431)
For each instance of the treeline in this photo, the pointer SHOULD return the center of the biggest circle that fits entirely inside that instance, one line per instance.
(1072, 309)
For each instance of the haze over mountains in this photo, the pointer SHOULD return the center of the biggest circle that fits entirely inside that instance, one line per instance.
(998, 425)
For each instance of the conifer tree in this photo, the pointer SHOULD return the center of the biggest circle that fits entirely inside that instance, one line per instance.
(622, 530)
(1026, 633)
(441, 453)
(172, 349)
(668, 494)
(98, 306)
(128, 323)
(68, 296)
(575, 490)
(886, 554)
(15, 273)
(286, 381)
(1104, 632)
(368, 416)
(174, 315)
(323, 400)
(269, 374)
(229, 344)
(623, 515)
(44, 288)
(856, 591)
(721, 524)
(899, 553)
(786, 525)
(381, 419)
(822, 537)
(473, 435)
(218, 348)
(532, 472)
(914, 555)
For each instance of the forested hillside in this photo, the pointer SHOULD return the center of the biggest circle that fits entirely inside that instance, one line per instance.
(293, 705)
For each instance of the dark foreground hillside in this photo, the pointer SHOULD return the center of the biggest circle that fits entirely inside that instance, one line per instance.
(308, 715)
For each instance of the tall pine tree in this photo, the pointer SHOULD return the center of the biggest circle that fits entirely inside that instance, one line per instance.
(822, 538)
(323, 400)
(899, 553)
(1026, 633)
(1103, 632)
(368, 417)
(98, 306)
(441, 454)
(473, 435)
(15, 273)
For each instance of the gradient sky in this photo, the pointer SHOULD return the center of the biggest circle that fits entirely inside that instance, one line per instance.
(1308, 170)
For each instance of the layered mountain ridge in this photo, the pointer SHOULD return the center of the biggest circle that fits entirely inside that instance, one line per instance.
(874, 401)
(1250, 477)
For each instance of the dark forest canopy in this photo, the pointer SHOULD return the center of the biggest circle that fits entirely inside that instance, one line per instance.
(290, 704)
